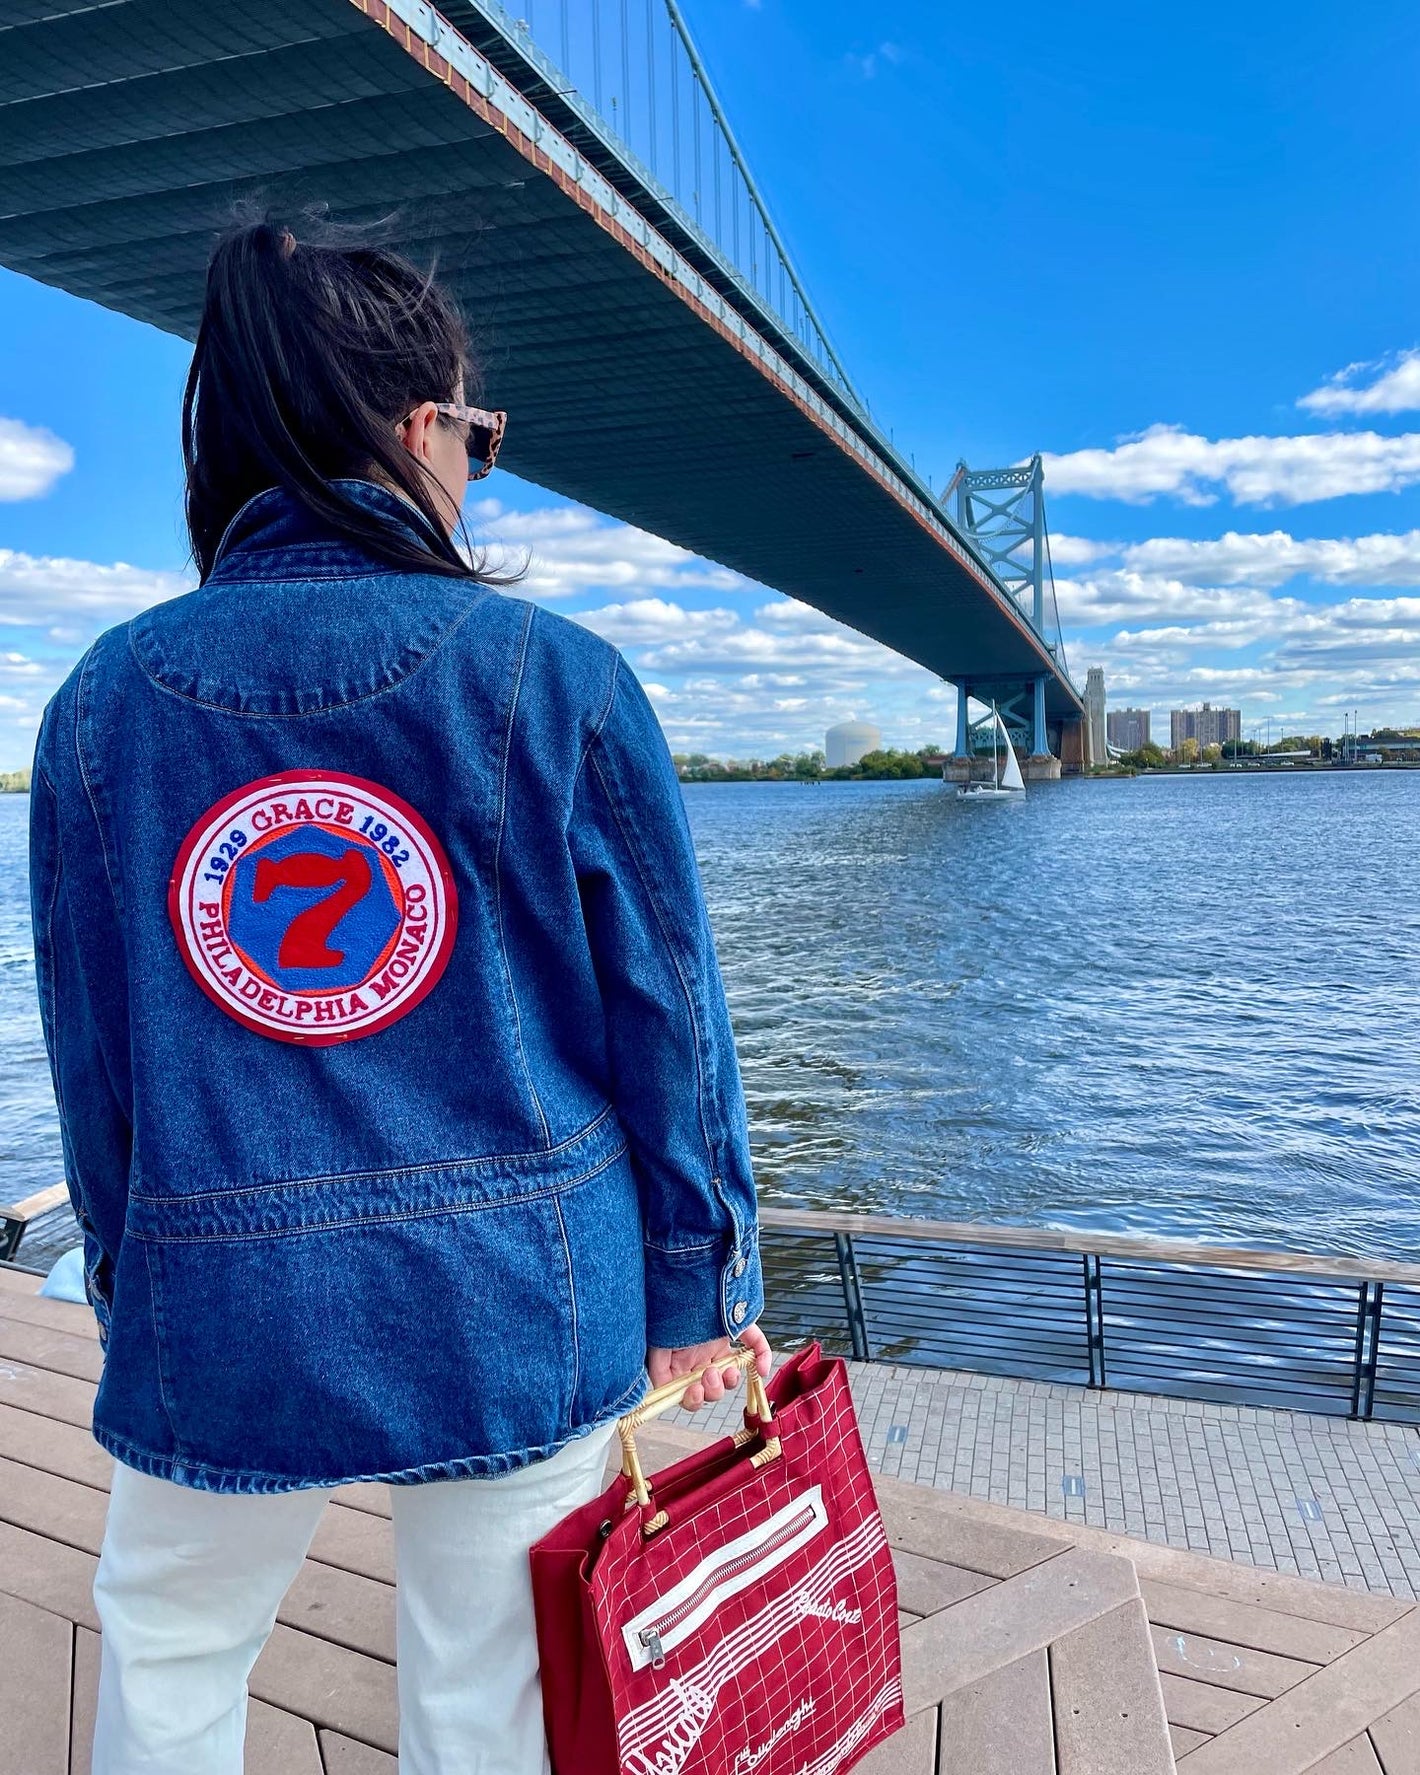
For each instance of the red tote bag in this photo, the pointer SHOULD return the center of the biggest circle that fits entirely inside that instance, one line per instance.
(736, 1617)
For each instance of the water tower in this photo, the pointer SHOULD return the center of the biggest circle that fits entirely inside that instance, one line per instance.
(849, 741)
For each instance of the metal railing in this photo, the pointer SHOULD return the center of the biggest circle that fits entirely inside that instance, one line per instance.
(1325, 1334)
(17, 1218)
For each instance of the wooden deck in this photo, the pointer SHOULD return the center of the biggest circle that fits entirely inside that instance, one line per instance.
(1031, 1646)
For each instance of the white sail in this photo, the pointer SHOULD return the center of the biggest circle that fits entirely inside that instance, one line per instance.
(1011, 773)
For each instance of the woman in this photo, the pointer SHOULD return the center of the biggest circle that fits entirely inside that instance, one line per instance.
(400, 1107)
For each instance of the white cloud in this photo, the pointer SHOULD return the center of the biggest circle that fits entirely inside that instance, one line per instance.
(784, 641)
(788, 613)
(31, 460)
(53, 608)
(568, 549)
(1126, 595)
(1172, 619)
(1361, 631)
(1313, 658)
(1167, 460)
(1269, 559)
(757, 650)
(1079, 551)
(74, 600)
(1390, 385)
(769, 681)
(643, 622)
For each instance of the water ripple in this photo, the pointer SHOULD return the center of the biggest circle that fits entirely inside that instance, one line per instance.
(1178, 1006)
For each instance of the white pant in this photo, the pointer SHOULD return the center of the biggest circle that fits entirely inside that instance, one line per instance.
(189, 1583)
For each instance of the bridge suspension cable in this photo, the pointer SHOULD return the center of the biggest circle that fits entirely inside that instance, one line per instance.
(1059, 642)
(634, 66)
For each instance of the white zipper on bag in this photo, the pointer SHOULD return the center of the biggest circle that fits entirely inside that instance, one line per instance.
(672, 1617)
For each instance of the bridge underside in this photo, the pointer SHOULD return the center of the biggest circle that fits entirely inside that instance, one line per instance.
(127, 131)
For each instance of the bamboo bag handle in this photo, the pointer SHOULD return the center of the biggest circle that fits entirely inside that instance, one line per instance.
(663, 1398)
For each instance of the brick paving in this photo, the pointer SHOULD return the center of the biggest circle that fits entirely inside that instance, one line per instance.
(1321, 1497)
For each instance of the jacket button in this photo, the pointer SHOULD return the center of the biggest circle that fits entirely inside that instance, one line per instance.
(739, 1313)
(739, 1268)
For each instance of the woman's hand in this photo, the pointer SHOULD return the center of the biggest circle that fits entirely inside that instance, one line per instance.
(674, 1365)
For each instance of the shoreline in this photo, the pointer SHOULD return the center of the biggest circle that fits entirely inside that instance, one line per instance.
(1321, 767)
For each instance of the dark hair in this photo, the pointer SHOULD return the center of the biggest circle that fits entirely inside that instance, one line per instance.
(308, 355)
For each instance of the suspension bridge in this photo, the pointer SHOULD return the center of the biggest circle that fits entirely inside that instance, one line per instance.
(584, 194)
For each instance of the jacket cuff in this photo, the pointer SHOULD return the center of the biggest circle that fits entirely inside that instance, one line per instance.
(700, 1295)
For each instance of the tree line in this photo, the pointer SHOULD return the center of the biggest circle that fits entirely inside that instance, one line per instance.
(1315, 745)
(885, 765)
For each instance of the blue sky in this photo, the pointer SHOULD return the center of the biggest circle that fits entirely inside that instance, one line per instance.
(1174, 251)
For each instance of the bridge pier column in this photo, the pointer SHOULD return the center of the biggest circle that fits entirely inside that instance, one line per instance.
(957, 769)
(1040, 742)
(1042, 766)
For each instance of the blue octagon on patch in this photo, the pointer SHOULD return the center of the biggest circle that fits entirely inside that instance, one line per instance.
(270, 892)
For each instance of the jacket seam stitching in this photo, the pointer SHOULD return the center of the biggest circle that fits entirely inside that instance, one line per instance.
(420, 1170)
(334, 1226)
(79, 699)
(49, 926)
(48, 1004)
(512, 1460)
(602, 720)
(680, 976)
(367, 571)
(498, 875)
(576, 1380)
(327, 708)
(100, 1302)
(160, 1341)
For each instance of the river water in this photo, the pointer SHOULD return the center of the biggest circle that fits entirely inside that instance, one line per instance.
(1173, 1005)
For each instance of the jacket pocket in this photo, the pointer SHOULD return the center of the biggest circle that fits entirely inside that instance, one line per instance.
(379, 1324)
(606, 1266)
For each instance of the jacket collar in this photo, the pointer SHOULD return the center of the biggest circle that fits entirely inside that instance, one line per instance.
(277, 519)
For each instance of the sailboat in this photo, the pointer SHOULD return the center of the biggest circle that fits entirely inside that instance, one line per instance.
(1006, 781)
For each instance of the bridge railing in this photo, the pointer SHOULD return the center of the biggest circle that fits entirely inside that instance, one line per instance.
(494, 51)
(631, 71)
(1336, 1335)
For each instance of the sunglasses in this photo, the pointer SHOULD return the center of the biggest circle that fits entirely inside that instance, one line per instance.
(485, 434)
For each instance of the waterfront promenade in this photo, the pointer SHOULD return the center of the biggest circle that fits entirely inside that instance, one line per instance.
(1032, 1645)
(1295, 1492)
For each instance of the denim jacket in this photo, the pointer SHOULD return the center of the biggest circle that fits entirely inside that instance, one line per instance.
(399, 1099)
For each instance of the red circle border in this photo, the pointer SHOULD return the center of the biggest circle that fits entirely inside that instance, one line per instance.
(299, 1038)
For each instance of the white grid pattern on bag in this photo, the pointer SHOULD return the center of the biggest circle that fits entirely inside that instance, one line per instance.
(736, 1705)
(757, 1634)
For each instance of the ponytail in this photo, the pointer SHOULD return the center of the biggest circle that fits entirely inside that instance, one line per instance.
(307, 357)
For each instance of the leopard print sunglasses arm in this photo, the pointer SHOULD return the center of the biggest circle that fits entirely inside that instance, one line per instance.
(485, 434)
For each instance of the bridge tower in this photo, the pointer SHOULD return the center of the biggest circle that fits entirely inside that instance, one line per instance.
(1002, 512)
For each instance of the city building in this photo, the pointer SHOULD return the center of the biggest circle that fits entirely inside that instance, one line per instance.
(1094, 715)
(850, 741)
(1209, 726)
(1128, 729)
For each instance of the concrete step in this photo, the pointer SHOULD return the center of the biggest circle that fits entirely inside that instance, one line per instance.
(1049, 1671)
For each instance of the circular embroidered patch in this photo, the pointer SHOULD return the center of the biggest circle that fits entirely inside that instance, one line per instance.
(313, 906)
